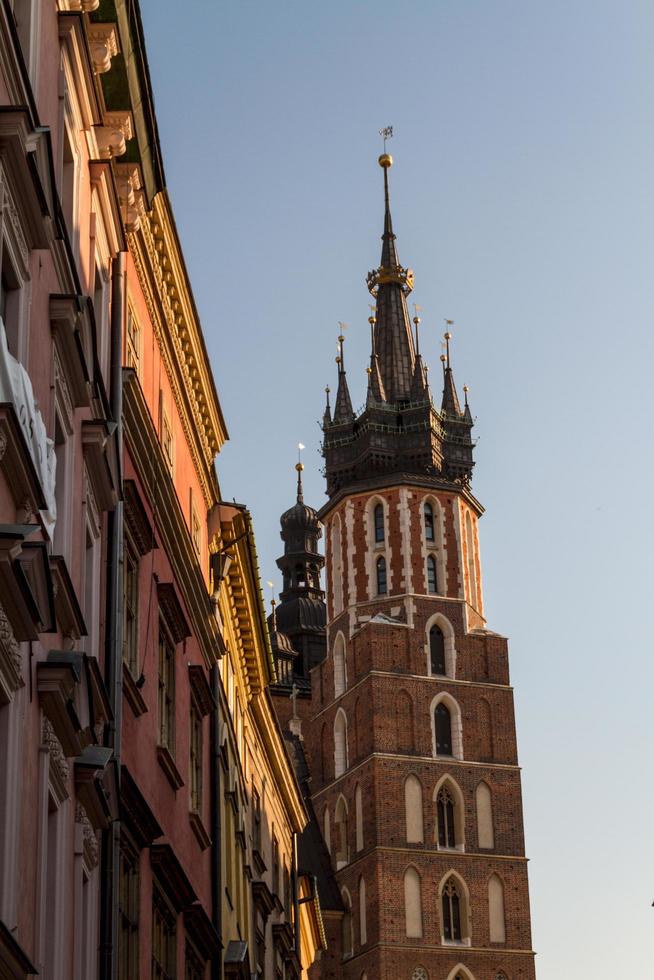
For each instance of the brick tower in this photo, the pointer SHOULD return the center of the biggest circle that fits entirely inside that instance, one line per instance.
(410, 729)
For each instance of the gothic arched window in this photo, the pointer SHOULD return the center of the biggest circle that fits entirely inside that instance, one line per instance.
(445, 813)
(451, 911)
(432, 583)
(429, 522)
(437, 650)
(381, 576)
(379, 523)
(443, 730)
(340, 744)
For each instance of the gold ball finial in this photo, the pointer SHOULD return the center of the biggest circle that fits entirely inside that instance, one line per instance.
(385, 161)
(341, 339)
(372, 320)
(448, 335)
(466, 389)
(416, 320)
(443, 358)
(299, 467)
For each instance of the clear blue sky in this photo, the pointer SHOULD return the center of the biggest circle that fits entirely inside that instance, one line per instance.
(523, 198)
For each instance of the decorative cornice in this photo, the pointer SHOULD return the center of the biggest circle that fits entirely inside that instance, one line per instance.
(103, 41)
(163, 278)
(59, 768)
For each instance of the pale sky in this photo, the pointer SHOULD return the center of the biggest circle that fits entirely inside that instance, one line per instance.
(522, 197)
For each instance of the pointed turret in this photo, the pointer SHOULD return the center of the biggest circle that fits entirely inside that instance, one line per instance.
(343, 407)
(390, 284)
(376, 391)
(450, 403)
(327, 414)
(419, 385)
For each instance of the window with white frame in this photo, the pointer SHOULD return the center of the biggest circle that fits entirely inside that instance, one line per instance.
(130, 605)
(132, 341)
(195, 761)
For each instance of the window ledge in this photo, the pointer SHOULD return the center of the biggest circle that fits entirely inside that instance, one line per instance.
(198, 828)
(456, 942)
(167, 763)
(132, 692)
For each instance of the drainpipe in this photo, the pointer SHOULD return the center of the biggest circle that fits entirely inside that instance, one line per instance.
(216, 794)
(110, 867)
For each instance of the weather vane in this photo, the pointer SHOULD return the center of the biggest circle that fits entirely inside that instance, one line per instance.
(386, 134)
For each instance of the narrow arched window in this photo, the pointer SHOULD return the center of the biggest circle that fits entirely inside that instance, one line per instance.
(379, 523)
(347, 931)
(437, 650)
(413, 810)
(413, 904)
(339, 666)
(381, 576)
(443, 730)
(451, 911)
(340, 744)
(363, 929)
(358, 816)
(341, 844)
(429, 522)
(432, 582)
(496, 923)
(445, 815)
(484, 802)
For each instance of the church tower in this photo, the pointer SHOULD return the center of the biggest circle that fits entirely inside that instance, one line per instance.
(410, 729)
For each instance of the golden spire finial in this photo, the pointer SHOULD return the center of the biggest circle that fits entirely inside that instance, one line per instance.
(447, 336)
(386, 160)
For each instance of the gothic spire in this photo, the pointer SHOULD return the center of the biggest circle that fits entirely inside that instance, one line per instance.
(343, 407)
(419, 386)
(327, 415)
(390, 284)
(375, 384)
(450, 403)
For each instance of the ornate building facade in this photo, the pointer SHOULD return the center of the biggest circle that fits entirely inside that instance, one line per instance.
(149, 815)
(408, 726)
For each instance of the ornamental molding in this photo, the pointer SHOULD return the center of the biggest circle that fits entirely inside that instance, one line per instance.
(85, 6)
(113, 135)
(59, 768)
(164, 324)
(90, 840)
(131, 195)
(103, 41)
(10, 660)
(10, 213)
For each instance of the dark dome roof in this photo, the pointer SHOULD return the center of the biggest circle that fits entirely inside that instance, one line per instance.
(300, 515)
(302, 612)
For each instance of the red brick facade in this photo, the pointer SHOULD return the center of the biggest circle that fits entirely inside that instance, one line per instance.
(387, 708)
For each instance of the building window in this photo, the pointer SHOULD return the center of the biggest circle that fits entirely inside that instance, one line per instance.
(379, 523)
(128, 915)
(130, 606)
(166, 688)
(437, 651)
(133, 341)
(340, 827)
(10, 303)
(166, 435)
(432, 584)
(276, 884)
(429, 522)
(256, 821)
(194, 965)
(381, 576)
(445, 814)
(196, 758)
(451, 912)
(287, 893)
(196, 532)
(443, 730)
(164, 951)
(347, 926)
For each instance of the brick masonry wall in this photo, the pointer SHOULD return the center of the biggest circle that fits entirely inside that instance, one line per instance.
(388, 703)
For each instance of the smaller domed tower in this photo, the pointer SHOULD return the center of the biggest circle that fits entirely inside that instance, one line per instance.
(298, 624)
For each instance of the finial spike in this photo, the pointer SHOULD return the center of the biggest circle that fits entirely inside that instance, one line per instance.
(299, 466)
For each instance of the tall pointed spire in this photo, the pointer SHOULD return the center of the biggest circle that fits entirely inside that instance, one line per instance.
(390, 284)
(450, 403)
(343, 407)
(375, 384)
(419, 386)
(327, 414)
